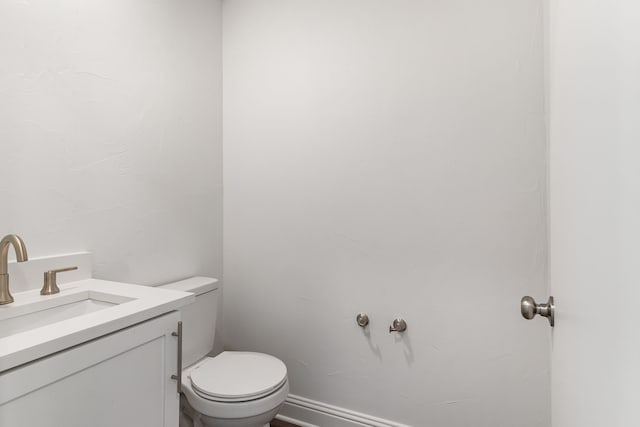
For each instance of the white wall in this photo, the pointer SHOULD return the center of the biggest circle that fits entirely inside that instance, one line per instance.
(110, 133)
(389, 157)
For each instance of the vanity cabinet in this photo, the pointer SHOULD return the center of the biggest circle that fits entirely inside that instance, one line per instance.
(120, 379)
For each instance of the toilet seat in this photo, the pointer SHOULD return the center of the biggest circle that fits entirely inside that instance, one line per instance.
(238, 377)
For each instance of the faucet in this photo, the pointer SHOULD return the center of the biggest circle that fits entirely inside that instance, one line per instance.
(21, 256)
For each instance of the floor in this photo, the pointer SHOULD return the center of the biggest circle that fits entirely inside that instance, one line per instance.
(278, 423)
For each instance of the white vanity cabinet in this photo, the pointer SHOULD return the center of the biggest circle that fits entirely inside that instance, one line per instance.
(120, 379)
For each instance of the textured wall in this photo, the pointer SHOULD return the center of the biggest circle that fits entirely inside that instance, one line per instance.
(110, 133)
(389, 157)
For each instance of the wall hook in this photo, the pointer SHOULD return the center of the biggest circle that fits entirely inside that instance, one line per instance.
(362, 319)
(398, 325)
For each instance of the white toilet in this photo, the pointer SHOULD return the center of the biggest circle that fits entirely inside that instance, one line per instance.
(233, 389)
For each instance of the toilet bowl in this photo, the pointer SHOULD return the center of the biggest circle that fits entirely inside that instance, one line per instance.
(232, 389)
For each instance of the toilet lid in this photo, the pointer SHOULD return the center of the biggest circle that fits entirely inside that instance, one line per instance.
(234, 376)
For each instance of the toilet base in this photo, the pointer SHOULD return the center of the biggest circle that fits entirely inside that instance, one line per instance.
(246, 422)
(189, 417)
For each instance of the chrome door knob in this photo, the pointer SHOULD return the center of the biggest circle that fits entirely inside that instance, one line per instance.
(529, 308)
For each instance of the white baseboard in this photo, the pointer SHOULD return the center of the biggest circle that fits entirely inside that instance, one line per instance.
(310, 413)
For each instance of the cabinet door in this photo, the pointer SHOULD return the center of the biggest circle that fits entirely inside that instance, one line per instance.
(122, 379)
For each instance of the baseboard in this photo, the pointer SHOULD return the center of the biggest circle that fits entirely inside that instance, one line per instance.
(310, 413)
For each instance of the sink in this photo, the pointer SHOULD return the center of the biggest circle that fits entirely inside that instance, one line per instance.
(14, 320)
(35, 326)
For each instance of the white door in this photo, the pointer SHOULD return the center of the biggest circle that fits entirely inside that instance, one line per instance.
(594, 87)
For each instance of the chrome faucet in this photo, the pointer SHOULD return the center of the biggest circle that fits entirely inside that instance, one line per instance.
(21, 256)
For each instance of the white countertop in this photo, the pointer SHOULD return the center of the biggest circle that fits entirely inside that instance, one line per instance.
(135, 304)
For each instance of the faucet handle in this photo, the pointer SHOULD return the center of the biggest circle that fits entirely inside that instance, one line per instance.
(50, 285)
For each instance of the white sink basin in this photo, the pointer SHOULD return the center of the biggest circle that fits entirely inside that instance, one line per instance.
(49, 311)
(34, 326)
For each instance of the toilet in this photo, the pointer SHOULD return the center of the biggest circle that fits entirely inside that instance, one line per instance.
(233, 389)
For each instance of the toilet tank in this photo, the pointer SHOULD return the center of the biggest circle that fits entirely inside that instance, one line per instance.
(199, 318)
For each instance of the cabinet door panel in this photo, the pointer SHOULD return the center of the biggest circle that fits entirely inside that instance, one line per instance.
(118, 380)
